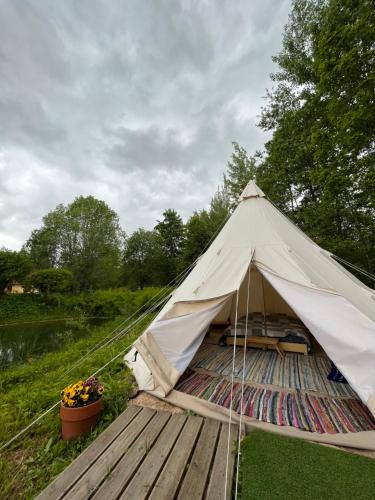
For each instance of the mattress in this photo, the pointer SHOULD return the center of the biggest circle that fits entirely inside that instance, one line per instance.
(281, 326)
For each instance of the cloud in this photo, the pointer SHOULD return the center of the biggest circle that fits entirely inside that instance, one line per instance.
(134, 102)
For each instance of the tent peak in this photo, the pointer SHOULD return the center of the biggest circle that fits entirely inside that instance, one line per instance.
(252, 191)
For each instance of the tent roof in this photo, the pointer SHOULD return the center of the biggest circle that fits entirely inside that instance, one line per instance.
(258, 228)
(252, 191)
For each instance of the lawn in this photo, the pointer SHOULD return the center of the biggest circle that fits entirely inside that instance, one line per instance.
(27, 390)
(275, 467)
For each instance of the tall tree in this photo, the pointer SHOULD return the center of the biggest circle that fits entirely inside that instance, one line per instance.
(44, 245)
(143, 260)
(319, 164)
(241, 169)
(198, 232)
(84, 238)
(203, 226)
(220, 208)
(171, 230)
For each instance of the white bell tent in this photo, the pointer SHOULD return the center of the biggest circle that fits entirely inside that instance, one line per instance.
(261, 261)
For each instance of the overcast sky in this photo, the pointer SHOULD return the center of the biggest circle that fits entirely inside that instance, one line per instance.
(135, 102)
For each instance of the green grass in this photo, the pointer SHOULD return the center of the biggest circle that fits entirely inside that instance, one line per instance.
(275, 467)
(26, 390)
(101, 303)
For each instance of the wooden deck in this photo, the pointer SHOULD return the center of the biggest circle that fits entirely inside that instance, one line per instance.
(152, 454)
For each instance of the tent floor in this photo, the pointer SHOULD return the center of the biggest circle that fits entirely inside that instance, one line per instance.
(290, 391)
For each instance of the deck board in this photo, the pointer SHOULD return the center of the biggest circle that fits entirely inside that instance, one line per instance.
(195, 481)
(168, 482)
(124, 471)
(98, 472)
(219, 472)
(142, 482)
(151, 454)
(78, 467)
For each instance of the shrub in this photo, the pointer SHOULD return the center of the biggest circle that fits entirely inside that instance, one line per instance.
(50, 280)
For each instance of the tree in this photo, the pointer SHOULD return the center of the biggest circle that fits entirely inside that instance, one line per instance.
(171, 229)
(241, 169)
(50, 280)
(14, 266)
(84, 238)
(198, 232)
(143, 260)
(44, 244)
(220, 208)
(203, 226)
(319, 165)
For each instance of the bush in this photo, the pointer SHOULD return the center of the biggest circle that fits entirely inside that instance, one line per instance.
(50, 280)
(102, 303)
(20, 306)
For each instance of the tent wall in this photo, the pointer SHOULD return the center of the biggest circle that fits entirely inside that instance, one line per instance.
(169, 344)
(263, 298)
(183, 308)
(223, 316)
(345, 333)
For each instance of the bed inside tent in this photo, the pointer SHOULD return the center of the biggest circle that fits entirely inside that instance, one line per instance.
(252, 333)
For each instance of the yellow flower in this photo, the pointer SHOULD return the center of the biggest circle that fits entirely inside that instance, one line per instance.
(75, 394)
(78, 386)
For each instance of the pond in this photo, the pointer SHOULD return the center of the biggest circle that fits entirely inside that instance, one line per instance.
(24, 340)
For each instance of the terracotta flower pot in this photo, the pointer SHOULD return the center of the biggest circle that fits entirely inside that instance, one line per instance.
(78, 421)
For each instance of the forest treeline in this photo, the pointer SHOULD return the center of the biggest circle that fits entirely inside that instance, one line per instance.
(318, 168)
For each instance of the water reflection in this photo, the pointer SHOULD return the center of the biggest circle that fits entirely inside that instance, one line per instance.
(20, 342)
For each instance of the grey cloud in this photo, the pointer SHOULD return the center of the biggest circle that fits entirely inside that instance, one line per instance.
(134, 102)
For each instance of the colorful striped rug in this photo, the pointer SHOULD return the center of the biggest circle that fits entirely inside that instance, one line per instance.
(301, 410)
(293, 371)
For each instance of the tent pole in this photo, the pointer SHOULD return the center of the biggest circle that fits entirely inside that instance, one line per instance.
(264, 306)
(243, 383)
(231, 393)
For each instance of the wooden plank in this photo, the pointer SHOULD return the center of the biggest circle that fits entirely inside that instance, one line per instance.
(194, 483)
(292, 347)
(253, 340)
(80, 465)
(126, 467)
(167, 484)
(142, 482)
(216, 486)
(88, 483)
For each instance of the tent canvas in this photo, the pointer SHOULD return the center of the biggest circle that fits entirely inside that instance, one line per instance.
(290, 273)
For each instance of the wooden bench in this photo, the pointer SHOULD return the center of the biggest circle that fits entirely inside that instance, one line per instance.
(258, 341)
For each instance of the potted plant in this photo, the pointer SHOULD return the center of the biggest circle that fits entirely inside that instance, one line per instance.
(80, 407)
